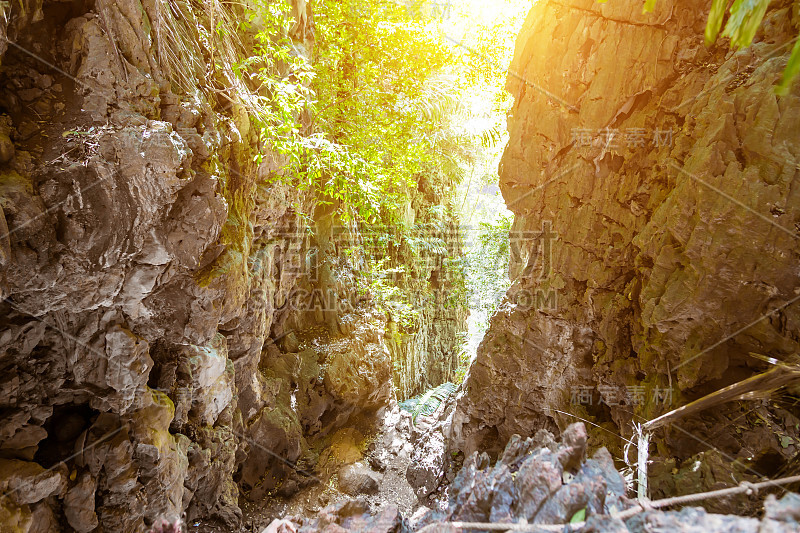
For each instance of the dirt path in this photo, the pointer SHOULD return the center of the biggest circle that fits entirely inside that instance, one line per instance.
(388, 455)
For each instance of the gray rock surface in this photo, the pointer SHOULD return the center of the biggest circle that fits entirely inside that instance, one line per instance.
(427, 467)
(358, 479)
(543, 481)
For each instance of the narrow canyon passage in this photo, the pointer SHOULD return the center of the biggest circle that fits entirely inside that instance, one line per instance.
(283, 266)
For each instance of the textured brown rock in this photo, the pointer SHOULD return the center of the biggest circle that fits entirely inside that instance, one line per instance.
(6, 145)
(27, 482)
(635, 260)
(123, 281)
(79, 504)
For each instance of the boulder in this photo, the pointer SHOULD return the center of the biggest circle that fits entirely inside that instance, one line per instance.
(426, 469)
(358, 479)
(354, 516)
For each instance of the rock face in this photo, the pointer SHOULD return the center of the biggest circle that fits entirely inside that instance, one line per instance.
(159, 353)
(118, 202)
(425, 353)
(427, 469)
(655, 189)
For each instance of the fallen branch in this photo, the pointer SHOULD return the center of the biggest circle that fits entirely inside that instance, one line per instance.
(777, 377)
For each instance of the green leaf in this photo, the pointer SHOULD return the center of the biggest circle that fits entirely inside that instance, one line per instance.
(791, 71)
(580, 516)
(430, 401)
(714, 23)
(745, 18)
(786, 441)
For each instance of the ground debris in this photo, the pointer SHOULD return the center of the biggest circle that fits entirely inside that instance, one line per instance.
(541, 481)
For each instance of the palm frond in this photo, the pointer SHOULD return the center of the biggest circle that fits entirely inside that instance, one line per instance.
(439, 101)
(490, 137)
(745, 18)
(429, 402)
(791, 72)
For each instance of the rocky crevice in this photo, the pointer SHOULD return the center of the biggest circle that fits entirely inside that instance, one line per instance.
(160, 353)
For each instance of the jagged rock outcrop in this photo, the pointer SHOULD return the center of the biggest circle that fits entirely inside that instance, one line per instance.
(654, 183)
(535, 479)
(541, 481)
(132, 306)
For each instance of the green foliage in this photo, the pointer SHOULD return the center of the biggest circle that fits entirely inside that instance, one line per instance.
(715, 18)
(464, 358)
(379, 104)
(358, 123)
(427, 403)
(487, 266)
(579, 516)
(744, 20)
(791, 71)
(649, 5)
(492, 136)
(390, 296)
(400, 261)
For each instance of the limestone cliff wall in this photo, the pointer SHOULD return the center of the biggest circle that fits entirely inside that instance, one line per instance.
(426, 353)
(157, 348)
(655, 189)
(141, 271)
